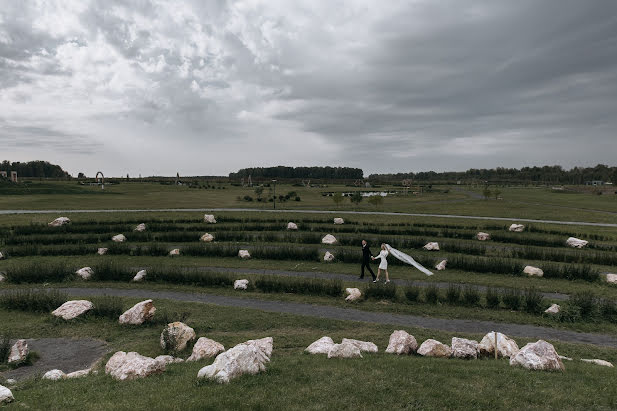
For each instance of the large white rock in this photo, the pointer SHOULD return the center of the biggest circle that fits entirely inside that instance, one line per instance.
(85, 273)
(611, 278)
(174, 252)
(533, 271)
(506, 347)
(518, 228)
(339, 220)
(168, 359)
(54, 375)
(401, 342)
(292, 226)
(209, 218)
(19, 352)
(433, 348)
(432, 246)
(353, 294)
(2, 278)
(265, 344)
(483, 236)
(244, 358)
(328, 239)
(127, 366)
(538, 356)
(344, 351)
(241, 284)
(321, 346)
(553, 309)
(59, 222)
(140, 228)
(598, 362)
(364, 346)
(6, 395)
(576, 242)
(102, 251)
(442, 265)
(72, 309)
(207, 238)
(119, 238)
(176, 335)
(205, 348)
(1, 256)
(138, 314)
(140, 276)
(328, 256)
(463, 348)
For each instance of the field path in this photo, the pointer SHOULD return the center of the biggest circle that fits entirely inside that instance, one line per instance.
(351, 314)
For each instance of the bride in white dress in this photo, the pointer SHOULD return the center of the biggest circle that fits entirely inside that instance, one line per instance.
(383, 265)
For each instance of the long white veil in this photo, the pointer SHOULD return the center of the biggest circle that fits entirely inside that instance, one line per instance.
(407, 259)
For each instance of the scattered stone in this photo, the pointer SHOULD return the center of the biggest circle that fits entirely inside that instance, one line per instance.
(19, 352)
(328, 239)
(553, 309)
(207, 238)
(598, 362)
(174, 252)
(483, 236)
(321, 346)
(344, 351)
(176, 335)
(168, 359)
(463, 348)
(518, 228)
(244, 254)
(433, 348)
(241, 284)
(533, 271)
(506, 347)
(85, 273)
(209, 218)
(139, 313)
(79, 374)
(292, 226)
(244, 358)
(72, 309)
(339, 220)
(54, 375)
(1, 256)
(140, 276)
(442, 265)
(538, 356)
(140, 228)
(102, 251)
(401, 342)
(364, 346)
(120, 238)
(353, 294)
(328, 256)
(6, 395)
(611, 278)
(264, 344)
(2, 278)
(11, 381)
(205, 348)
(432, 246)
(60, 221)
(127, 366)
(576, 242)
(564, 358)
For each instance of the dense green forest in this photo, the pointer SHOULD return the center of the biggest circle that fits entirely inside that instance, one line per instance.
(322, 173)
(31, 169)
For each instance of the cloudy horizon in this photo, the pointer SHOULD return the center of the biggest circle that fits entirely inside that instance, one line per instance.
(206, 88)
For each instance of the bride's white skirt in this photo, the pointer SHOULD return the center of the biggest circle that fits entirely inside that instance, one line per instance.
(383, 264)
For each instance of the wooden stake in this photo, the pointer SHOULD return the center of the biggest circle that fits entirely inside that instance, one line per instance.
(495, 344)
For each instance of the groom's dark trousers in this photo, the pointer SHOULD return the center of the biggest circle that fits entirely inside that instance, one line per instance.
(366, 261)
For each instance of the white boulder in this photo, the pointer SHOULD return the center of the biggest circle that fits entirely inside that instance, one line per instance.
(176, 335)
(463, 348)
(59, 222)
(538, 356)
(209, 218)
(19, 352)
(598, 362)
(442, 265)
(433, 348)
(6, 395)
(168, 359)
(241, 284)
(1, 256)
(79, 373)
(533, 271)
(72, 309)
(244, 358)
(138, 314)
(292, 226)
(344, 351)
(576, 242)
(206, 238)
(102, 251)
(54, 375)
(140, 276)
(205, 348)
(401, 342)
(432, 246)
(174, 252)
(264, 344)
(364, 346)
(140, 228)
(553, 309)
(506, 347)
(120, 238)
(328, 256)
(244, 254)
(611, 278)
(518, 228)
(328, 239)
(483, 236)
(321, 346)
(353, 294)
(339, 220)
(127, 366)
(85, 273)
(2, 278)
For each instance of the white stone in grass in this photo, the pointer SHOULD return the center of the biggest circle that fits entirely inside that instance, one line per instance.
(241, 284)
(209, 218)
(432, 246)
(138, 314)
(60, 221)
(140, 228)
(205, 348)
(328, 256)
(19, 352)
(102, 251)
(292, 226)
(265, 344)
(517, 228)
(339, 220)
(328, 239)
(54, 375)
(11, 381)
(174, 252)
(321, 346)
(206, 238)
(72, 309)
(85, 273)
(506, 346)
(364, 346)
(598, 362)
(140, 276)
(401, 343)
(168, 359)
(463, 348)
(611, 278)
(244, 254)
(442, 265)
(2, 278)
(564, 358)
(245, 358)
(353, 294)
(1, 256)
(120, 238)
(533, 271)
(538, 356)
(434, 348)
(344, 351)
(176, 335)
(127, 366)
(553, 309)
(79, 373)
(483, 236)
(576, 242)
(6, 395)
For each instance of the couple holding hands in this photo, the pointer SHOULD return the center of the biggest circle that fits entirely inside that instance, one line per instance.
(367, 257)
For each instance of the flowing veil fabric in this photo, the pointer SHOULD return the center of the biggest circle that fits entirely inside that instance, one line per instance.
(407, 259)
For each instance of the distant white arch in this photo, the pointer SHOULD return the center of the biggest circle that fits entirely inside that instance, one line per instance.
(102, 179)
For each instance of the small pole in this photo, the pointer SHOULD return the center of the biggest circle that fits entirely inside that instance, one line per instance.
(274, 195)
(495, 344)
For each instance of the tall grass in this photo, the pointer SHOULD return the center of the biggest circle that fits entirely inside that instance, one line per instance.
(32, 300)
(331, 288)
(37, 273)
(380, 292)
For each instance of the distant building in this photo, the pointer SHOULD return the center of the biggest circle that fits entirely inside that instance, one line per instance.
(594, 183)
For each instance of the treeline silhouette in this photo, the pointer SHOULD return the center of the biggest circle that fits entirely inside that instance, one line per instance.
(42, 169)
(322, 173)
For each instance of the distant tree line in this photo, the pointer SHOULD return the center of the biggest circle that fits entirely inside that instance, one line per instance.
(545, 174)
(37, 169)
(322, 173)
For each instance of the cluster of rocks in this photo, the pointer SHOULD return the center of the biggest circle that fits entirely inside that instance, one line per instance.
(348, 348)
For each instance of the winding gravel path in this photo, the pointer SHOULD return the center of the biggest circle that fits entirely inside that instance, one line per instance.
(351, 314)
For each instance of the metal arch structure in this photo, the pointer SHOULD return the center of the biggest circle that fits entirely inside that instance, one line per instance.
(407, 183)
(96, 178)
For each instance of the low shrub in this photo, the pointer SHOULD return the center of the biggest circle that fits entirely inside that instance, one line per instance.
(586, 302)
(33, 300)
(431, 294)
(380, 292)
(106, 307)
(512, 299)
(453, 294)
(608, 310)
(37, 273)
(533, 301)
(471, 296)
(332, 288)
(493, 299)
(412, 293)
(569, 313)
(188, 276)
(5, 347)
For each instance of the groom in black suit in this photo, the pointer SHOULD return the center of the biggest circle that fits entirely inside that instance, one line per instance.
(366, 260)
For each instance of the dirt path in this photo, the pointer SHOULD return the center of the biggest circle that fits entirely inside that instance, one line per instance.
(350, 314)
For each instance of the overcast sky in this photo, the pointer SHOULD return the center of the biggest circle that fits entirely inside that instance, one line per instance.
(207, 87)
